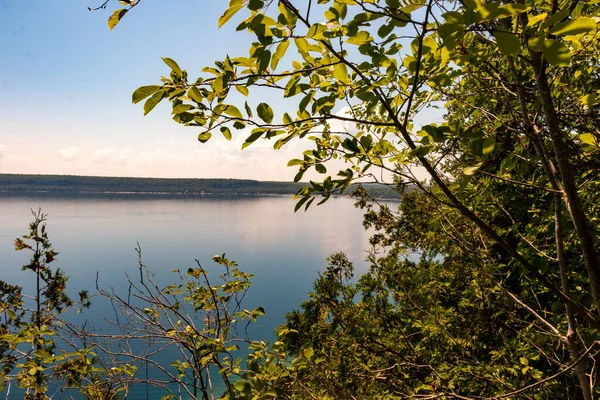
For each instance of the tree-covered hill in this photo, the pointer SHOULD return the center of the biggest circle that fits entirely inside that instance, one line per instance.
(190, 187)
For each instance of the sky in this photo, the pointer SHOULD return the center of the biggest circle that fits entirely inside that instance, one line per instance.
(66, 82)
(65, 92)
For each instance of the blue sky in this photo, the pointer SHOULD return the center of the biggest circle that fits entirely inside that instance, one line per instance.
(66, 84)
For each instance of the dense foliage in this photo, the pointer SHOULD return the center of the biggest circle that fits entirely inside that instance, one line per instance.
(505, 296)
(486, 282)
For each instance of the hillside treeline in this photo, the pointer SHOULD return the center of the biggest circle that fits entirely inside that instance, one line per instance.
(179, 186)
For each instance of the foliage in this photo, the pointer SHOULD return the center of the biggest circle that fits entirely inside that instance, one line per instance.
(505, 298)
(200, 325)
(31, 326)
(513, 185)
(432, 318)
(194, 320)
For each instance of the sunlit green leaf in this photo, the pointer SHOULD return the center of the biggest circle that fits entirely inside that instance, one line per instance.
(173, 65)
(308, 352)
(488, 145)
(204, 136)
(590, 99)
(361, 37)
(153, 101)
(265, 112)
(340, 72)
(194, 94)
(234, 7)
(588, 139)
(226, 132)
(116, 17)
(256, 133)
(232, 111)
(556, 53)
(574, 26)
(142, 92)
(472, 170)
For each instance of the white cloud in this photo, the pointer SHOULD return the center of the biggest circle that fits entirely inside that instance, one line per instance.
(2, 151)
(69, 154)
(109, 155)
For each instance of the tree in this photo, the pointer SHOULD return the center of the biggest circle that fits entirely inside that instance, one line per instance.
(31, 326)
(513, 169)
(201, 325)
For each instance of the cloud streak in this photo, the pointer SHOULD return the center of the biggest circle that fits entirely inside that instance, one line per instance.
(110, 155)
(69, 154)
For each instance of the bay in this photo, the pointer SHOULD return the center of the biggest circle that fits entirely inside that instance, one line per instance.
(96, 236)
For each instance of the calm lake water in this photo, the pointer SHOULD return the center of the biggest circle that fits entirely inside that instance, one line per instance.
(284, 251)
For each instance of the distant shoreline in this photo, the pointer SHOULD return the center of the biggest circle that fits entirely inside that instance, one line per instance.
(184, 187)
(74, 192)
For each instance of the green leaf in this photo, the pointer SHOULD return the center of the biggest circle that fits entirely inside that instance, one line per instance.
(554, 18)
(264, 60)
(204, 136)
(512, 9)
(279, 53)
(524, 361)
(115, 18)
(556, 53)
(301, 45)
(588, 138)
(421, 151)
(173, 65)
(295, 161)
(234, 7)
(142, 92)
(242, 89)
(536, 43)
(195, 94)
(321, 168)
(300, 202)
(361, 37)
(274, 392)
(255, 5)
(153, 101)
(508, 43)
(534, 19)
(590, 99)
(316, 31)
(488, 145)
(472, 170)
(340, 72)
(299, 175)
(574, 26)
(181, 108)
(242, 386)
(226, 132)
(248, 109)
(232, 111)
(256, 133)
(385, 30)
(308, 352)
(265, 112)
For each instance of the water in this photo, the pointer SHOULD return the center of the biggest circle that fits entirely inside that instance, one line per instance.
(98, 234)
